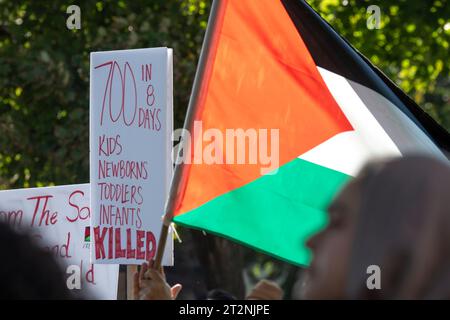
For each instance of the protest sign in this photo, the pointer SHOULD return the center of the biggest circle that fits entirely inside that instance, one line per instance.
(58, 218)
(130, 152)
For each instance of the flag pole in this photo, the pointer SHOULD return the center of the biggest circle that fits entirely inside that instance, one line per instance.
(204, 69)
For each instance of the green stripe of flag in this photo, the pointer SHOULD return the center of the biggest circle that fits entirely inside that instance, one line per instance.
(289, 205)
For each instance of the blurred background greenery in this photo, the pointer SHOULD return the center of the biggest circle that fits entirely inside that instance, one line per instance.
(44, 83)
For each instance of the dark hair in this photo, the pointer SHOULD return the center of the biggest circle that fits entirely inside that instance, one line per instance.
(27, 271)
(403, 226)
(219, 294)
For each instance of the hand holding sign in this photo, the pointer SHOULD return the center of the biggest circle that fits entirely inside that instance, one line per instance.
(150, 284)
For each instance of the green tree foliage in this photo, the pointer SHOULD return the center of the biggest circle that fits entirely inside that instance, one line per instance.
(44, 67)
(411, 46)
(44, 76)
(44, 86)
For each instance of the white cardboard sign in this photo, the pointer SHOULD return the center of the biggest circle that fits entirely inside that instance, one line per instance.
(130, 153)
(58, 217)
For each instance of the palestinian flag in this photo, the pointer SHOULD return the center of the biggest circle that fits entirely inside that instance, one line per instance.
(271, 64)
(87, 234)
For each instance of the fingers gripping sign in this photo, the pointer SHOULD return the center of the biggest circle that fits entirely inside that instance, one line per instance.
(150, 284)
